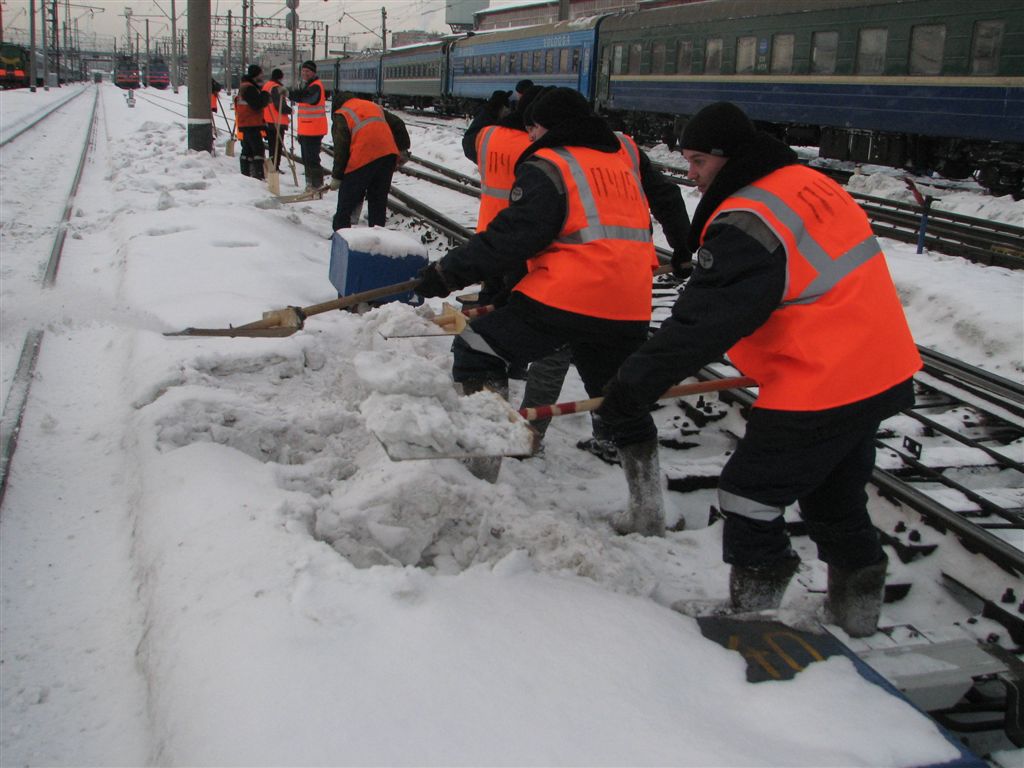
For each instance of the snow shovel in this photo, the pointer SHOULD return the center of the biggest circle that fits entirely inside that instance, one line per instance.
(486, 429)
(284, 322)
(229, 148)
(451, 322)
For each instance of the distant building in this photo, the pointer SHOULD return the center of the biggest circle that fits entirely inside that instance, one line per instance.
(546, 11)
(458, 14)
(412, 37)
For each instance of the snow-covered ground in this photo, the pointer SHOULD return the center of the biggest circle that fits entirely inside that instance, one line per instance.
(208, 560)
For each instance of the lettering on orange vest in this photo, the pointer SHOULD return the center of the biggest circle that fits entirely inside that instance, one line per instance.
(497, 149)
(311, 119)
(271, 115)
(839, 334)
(246, 116)
(601, 263)
(371, 137)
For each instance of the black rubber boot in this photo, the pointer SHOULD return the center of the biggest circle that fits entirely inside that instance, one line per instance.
(855, 597)
(244, 165)
(256, 169)
(646, 511)
(488, 467)
(761, 588)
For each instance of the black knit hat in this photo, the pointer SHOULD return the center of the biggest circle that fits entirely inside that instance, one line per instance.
(523, 86)
(277, 74)
(255, 70)
(310, 65)
(557, 106)
(721, 129)
(527, 99)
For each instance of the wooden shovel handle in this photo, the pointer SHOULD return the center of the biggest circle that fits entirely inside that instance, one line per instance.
(582, 406)
(358, 298)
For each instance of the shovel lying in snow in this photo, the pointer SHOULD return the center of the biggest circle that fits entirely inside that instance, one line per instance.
(483, 425)
(286, 321)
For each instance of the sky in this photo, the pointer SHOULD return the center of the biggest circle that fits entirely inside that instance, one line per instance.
(206, 558)
(351, 17)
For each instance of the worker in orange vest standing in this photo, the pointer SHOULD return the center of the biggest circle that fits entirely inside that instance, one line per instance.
(369, 143)
(249, 103)
(790, 281)
(579, 227)
(275, 116)
(310, 122)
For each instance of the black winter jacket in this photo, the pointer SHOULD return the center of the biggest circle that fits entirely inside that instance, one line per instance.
(537, 211)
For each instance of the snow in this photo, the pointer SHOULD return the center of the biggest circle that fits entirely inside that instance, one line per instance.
(207, 558)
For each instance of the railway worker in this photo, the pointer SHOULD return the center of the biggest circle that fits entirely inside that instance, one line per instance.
(276, 116)
(578, 224)
(789, 281)
(310, 123)
(215, 89)
(249, 103)
(369, 144)
(521, 88)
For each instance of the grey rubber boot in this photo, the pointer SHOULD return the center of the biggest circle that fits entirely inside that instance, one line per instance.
(761, 588)
(855, 597)
(485, 468)
(645, 513)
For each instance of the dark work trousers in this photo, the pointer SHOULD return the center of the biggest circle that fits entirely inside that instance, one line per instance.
(821, 459)
(275, 143)
(372, 182)
(512, 335)
(544, 381)
(252, 142)
(310, 148)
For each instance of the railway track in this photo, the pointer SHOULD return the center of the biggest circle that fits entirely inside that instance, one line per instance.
(15, 402)
(979, 240)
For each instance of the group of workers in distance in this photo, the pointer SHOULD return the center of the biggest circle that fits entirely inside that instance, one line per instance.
(787, 279)
(369, 142)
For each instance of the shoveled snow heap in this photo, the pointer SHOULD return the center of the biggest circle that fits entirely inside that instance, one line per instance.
(416, 413)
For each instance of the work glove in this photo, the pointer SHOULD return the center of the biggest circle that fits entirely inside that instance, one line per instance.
(432, 283)
(335, 183)
(619, 404)
(682, 264)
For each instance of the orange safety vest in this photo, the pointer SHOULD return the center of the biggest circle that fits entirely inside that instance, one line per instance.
(311, 119)
(497, 149)
(213, 102)
(839, 335)
(601, 264)
(371, 136)
(246, 116)
(271, 114)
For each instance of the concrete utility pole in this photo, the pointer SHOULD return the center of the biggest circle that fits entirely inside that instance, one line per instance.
(174, 48)
(46, 52)
(384, 29)
(32, 46)
(245, 32)
(228, 65)
(200, 119)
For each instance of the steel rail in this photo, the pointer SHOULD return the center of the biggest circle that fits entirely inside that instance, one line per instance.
(40, 116)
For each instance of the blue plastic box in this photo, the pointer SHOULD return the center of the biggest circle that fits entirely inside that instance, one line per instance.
(371, 257)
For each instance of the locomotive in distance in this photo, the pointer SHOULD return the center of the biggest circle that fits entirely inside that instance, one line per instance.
(926, 85)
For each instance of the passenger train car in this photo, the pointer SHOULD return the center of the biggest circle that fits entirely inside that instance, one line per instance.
(932, 85)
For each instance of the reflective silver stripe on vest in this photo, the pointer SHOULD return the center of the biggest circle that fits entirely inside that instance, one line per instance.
(595, 231)
(744, 507)
(830, 271)
(634, 157)
(358, 124)
(481, 161)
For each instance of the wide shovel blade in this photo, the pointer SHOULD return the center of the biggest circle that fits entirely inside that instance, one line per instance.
(498, 430)
(229, 148)
(286, 321)
(273, 178)
(307, 195)
(451, 322)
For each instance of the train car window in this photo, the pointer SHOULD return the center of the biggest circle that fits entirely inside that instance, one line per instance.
(871, 45)
(504, 64)
(575, 60)
(513, 63)
(684, 57)
(746, 55)
(988, 42)
(635, 54)
(713, 56)
(494, 64)
(549, 62)
(782, 54)
(618, 58)
(538, 60)
(927, 44)
(824, 46)
(563, 60)
(658, 58)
